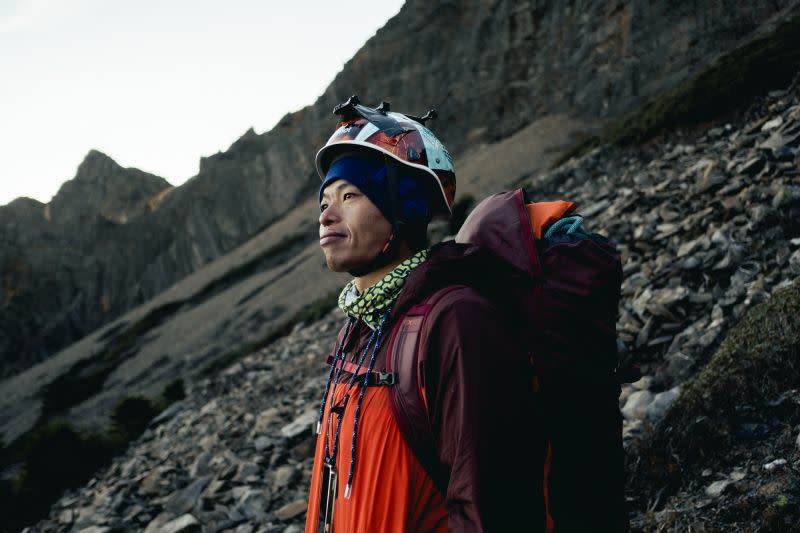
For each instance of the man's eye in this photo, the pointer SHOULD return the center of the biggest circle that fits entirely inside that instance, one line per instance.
(347, 195)
(323, 207)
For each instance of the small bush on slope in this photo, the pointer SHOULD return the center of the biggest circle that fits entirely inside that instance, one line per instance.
(741, 411)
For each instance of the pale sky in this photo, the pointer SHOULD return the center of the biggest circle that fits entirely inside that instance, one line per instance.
(158, 84)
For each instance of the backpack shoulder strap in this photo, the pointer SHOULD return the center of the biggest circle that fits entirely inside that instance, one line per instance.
(407, 397)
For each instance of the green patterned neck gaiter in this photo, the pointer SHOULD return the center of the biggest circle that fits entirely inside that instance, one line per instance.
(372, 303)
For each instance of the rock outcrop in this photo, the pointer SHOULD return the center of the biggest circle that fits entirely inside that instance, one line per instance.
(57, 284)
(491, 67)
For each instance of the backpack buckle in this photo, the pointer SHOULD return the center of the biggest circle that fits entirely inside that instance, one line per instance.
(387, 378)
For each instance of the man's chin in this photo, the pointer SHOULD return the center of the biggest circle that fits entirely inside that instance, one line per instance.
(338, 265)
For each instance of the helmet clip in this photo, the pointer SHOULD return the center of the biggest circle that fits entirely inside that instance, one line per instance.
(347, 110)
(431, 114)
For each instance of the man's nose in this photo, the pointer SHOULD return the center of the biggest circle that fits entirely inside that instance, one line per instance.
(328, 216)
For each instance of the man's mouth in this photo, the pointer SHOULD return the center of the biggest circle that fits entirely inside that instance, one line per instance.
(329, 237)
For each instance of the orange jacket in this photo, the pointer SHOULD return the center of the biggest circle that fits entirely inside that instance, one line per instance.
(477, 390)
(391, 493)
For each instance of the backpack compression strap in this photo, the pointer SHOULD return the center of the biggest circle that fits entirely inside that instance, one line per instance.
(407, 397)
(375, 379)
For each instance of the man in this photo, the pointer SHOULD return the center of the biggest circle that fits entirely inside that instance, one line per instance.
(384, 177)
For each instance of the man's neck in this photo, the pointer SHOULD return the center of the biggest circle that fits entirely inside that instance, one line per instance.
(368, 280)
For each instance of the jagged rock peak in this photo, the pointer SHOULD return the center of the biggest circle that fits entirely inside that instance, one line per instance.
(24, 202)
(96, 166)
(102, 187)
(245, 148)
(249, 141)
(20, 210)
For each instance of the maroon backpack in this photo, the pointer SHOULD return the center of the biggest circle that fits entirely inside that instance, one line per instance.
(566, 291)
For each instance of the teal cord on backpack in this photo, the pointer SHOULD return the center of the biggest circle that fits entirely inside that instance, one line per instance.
(573, 225)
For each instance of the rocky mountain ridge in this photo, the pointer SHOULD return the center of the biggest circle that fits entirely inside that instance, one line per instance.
(54, 285)
(527, 61)
(707, 223)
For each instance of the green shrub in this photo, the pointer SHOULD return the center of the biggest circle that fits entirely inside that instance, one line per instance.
(57, 457)
(132, 415)
(61, 456)
(740, 387)
(174, 391)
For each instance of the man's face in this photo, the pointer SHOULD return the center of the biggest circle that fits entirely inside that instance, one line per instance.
(352, 230)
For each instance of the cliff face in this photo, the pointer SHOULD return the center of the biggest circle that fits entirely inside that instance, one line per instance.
(505, 63)
(113, 238)
(53, 287)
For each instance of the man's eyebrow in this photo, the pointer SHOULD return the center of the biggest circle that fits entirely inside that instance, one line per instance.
(335, 188)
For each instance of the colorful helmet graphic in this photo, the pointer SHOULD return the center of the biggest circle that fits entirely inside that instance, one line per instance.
(402, 137)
